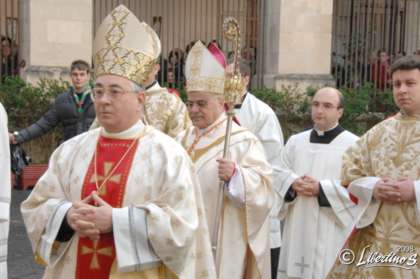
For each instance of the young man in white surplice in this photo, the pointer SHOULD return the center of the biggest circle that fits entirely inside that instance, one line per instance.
(317, 210)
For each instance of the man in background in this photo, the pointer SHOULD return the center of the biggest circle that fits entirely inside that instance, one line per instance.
(73, 109)
(317, 211)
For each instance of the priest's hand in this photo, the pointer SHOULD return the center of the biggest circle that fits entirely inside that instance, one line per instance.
(80, 219)
(102, 214)
(387, 190)
(406, 189)
(311, 187)
(226, 169)
(306, 186)
(298, 185)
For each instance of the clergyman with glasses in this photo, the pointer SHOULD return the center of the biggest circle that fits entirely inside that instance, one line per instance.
(317, 210)
(122, 200)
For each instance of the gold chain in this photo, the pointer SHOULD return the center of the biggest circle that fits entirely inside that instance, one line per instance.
(99, 187)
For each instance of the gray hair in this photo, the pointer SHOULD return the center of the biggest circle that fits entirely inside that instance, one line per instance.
(136, 87)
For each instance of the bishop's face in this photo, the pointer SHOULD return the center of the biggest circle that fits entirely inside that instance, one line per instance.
(204, 108)
(117, 105)
(406, 90)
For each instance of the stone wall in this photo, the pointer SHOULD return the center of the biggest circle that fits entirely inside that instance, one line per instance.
(54, 33)
(298, 43)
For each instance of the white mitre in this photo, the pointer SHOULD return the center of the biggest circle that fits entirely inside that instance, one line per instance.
(203, 71)
(126, 47)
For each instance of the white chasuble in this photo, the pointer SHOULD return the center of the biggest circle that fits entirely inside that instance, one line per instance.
(5, 189)
(160, 231)
(313, 235)
(261, 120)
(243, 244)
(390, 149)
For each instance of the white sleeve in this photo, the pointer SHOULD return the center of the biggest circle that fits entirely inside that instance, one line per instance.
(286, 176)
(345, 210)
(46, 251)
(5, 185)
(417, 193)
(235, 189)
(362, 189)
(132, 245)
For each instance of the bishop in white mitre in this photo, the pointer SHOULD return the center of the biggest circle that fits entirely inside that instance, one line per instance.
(121, 201)
(5, 189)
(317, 210)
(240, 226)
(162, 110)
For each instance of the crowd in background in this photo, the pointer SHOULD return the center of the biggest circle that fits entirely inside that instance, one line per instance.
(356, 70)
(8, 58)
(171, 72)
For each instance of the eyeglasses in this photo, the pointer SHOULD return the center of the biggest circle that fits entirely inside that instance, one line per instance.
(113, 93)
(326, 106)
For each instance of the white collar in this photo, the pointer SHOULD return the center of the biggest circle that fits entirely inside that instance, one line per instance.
(130, 133)
(321, 133)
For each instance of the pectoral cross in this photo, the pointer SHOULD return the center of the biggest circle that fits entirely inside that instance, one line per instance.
(94, 263)
(99, 179)
(302, 265)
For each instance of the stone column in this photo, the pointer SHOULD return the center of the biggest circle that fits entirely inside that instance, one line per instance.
(298, 43)
(271, 44)
(53, 34)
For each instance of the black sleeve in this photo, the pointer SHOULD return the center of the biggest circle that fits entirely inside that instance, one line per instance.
(65, 233)
(322, 198)
(48, 121)
(290, 195)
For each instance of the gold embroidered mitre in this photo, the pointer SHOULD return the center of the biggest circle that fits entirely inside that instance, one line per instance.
(126, 47)
(203, 72)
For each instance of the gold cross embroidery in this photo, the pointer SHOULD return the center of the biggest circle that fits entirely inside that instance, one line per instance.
(94, 263)
(114, 178)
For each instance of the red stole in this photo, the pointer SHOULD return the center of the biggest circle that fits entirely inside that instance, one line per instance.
(95, 258)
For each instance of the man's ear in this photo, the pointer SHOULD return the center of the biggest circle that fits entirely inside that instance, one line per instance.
(221, 102)
(341, 111)
(246, 79)
(157, 68)
(141, 97)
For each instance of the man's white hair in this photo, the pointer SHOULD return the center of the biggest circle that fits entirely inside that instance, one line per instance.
(136, 87)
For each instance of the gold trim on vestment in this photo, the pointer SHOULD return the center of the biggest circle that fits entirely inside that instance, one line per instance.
(197, 153)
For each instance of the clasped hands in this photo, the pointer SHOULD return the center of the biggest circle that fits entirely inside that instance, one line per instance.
(306, 186)
(89, 220)
(394, 191)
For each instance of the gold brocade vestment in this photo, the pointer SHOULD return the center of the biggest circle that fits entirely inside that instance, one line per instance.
(387, 243)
